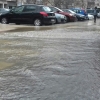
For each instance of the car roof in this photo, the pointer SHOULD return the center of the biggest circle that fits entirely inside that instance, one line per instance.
(77, 8)
(32, 5)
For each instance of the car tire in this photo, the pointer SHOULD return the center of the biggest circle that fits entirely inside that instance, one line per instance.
(65, 20)
(4, 20)
(76, 19)
(37, 22)
(17, 23)
(56, 21)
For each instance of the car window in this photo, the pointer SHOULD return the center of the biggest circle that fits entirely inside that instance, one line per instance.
(46, 9)
(18, 9)
(75, 11)
(53, 9)
(79, 11)
(29, 9)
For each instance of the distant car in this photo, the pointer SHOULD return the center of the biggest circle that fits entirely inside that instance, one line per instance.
(79, 17)
(80, 11)
(3, 10)
(60, 18)
(69, 17)
(34, 14)
(90, 16)
(91, 12)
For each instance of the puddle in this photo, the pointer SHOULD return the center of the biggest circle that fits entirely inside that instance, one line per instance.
(24, 29)
(4, 65)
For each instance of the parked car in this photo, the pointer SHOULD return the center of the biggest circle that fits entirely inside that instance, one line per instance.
(90, 16)
(60, 18)
(80, 11)
(35, 14)
(91, 12)
(3, 10)
(69, 16)
(78, 16)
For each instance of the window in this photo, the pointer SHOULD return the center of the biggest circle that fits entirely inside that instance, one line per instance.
(79, 11)
(29, 8)
(18, 9)
(46, 9)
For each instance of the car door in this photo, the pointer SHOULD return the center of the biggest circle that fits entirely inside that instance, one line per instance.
(15, 14)
(28, 13)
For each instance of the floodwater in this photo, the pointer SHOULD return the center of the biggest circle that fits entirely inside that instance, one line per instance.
(58, 62)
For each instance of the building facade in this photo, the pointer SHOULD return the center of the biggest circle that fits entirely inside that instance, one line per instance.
(7, 3)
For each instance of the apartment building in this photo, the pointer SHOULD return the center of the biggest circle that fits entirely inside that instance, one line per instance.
(7, 3)
(72, 3)
(3, 3)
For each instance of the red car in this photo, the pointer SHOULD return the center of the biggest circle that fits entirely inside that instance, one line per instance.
(70, 17)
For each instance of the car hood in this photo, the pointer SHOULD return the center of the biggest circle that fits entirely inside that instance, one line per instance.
(3, 13)
(56, 14)
(90, 15)
(79, 14)
(65, 13)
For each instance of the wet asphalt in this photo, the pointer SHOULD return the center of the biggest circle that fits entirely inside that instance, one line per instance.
(56, 62)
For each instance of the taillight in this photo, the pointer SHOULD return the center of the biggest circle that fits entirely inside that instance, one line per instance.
(44, 14)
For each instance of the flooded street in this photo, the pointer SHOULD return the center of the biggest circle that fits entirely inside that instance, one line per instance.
(58, 62)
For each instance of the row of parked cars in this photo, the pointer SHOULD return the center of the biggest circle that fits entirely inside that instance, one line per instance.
(41, 14)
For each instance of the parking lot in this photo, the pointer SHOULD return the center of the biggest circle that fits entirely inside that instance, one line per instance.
(54, 62)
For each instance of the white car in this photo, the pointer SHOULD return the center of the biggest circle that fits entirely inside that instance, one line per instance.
(90, 16)
(98, 15)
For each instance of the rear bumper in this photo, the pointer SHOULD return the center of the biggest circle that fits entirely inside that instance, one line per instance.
(49, 20)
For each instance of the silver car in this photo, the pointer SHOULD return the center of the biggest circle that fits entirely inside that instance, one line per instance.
(60, 18)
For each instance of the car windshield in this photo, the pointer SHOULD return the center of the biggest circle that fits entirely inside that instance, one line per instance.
(72, 11)
(46, 9)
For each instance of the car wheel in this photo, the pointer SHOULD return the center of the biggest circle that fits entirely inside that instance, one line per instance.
(37, 22)
(56, 21)
(76, 19)
(65, 19)
(4, 20)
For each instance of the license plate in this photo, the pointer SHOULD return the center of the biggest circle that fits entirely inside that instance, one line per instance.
(52, 20)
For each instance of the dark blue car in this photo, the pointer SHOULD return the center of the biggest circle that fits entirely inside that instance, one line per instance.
(80, 11)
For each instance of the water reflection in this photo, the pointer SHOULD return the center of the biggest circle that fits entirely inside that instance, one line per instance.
(54, 64)
(4, 65)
